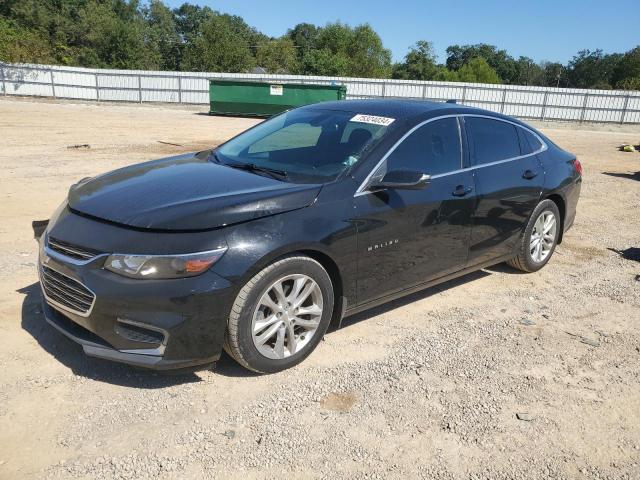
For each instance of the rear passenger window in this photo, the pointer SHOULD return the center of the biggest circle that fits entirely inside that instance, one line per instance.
(491, 140)
(432, 149)
(533, 141)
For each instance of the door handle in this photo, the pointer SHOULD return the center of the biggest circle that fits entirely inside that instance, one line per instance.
(529, 174)
(461, 191)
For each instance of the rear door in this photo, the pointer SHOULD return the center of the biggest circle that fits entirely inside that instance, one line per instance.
(407, 237)
(509, 181)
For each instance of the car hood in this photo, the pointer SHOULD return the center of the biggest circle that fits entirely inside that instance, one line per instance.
(185, 193)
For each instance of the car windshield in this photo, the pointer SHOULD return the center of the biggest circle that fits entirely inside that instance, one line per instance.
(305, 145)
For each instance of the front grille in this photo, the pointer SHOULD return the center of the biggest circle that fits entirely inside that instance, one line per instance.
(72, 251)
(66, 292)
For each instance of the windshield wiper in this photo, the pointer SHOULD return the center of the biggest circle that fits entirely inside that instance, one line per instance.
(216, 158)
(252, 167)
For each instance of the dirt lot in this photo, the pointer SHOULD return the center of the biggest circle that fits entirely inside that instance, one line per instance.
(427, 387)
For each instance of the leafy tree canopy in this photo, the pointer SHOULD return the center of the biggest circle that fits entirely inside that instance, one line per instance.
(147, 34)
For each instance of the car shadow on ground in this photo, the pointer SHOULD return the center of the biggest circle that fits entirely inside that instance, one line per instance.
(414, 297)
(72, 356)
(631, 253)
(630, 176)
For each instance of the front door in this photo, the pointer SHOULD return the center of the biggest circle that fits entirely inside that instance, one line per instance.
(407, 237)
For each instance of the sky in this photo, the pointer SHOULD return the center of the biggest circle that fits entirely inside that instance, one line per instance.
(543, 29)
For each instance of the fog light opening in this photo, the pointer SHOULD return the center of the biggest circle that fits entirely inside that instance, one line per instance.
(141, 332)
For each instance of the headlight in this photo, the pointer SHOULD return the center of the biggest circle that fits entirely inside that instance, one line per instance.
(163, 266)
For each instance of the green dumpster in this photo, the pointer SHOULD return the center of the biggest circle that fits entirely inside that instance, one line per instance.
(261, 99)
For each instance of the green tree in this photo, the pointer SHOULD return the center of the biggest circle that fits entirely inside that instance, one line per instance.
(324, 62)
(19, 45)
(188, 20)
(554, 74)
(163, 33)
(253, 37)
(527, 72)
(113, 34)
(53, 21)
(592, 69)
(443, 74)
(304, 37)
(368, 56)
(345, 51)
(278, 56)
(419, 63)
(477, 70)
(629, 83)
(218, 47)
(627, 72)
(499, 60)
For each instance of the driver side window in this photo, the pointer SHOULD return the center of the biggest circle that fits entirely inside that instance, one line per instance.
(433, 149)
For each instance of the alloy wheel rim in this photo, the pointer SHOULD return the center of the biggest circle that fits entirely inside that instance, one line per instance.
(543, 236)
(287, 316)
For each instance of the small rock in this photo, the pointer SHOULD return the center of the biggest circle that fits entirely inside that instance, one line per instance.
(589, 341)
(526, 417)
(230, 434)
(527, 322)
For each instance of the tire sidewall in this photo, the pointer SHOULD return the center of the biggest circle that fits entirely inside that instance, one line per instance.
(289, 266)
(545, 205)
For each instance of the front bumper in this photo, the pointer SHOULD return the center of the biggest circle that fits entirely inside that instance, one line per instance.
(94, 346)
(191, 314)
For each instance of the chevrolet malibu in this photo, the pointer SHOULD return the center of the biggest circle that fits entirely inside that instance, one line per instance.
(256, 246)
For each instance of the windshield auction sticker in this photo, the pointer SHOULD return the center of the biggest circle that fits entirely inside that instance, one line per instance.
(373, 119)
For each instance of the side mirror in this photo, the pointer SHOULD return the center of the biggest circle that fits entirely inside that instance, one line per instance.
(401, 179)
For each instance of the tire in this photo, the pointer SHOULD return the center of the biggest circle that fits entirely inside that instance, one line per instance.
(260, 302)
(526, 260)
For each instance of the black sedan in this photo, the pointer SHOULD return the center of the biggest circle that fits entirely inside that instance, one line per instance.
(256, 246)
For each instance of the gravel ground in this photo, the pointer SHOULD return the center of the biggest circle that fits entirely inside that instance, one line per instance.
(496, 375)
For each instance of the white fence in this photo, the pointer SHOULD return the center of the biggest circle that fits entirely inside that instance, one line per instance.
(541, 103)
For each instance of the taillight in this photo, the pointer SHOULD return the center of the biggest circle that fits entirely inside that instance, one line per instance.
(578, 166)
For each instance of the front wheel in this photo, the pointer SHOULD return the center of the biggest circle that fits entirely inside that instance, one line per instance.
(540, 238)
(280, 315)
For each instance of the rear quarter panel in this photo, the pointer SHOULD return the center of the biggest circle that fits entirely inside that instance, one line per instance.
(561, 179)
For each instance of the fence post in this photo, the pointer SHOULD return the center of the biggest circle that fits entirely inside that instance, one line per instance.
(95, 75)
(464, 94)
(584, 107)
(504, 97)
(424, 91)
(624, 109)
(139, 88)
(4, 83)
(179, 89)
(384, 87)
(53, 85)
(544, 105)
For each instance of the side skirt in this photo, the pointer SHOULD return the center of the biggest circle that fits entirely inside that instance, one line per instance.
(387, 298)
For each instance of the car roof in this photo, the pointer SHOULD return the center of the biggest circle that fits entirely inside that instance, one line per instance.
(404, 109)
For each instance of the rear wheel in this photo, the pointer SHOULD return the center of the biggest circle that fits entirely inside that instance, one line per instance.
(540, 238)
(280, 315)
